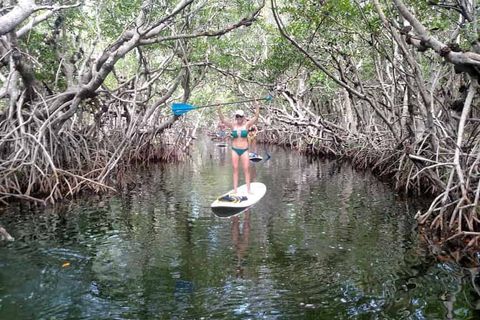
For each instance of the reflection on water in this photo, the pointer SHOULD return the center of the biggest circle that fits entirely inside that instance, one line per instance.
(240, 238)
(325, 242)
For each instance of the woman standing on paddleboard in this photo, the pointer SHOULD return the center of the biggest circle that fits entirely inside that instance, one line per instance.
(239, 136)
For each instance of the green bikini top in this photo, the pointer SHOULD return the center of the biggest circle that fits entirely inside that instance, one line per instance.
(243, 133)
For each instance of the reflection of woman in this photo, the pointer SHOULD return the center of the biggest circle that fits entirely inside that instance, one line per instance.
(240, 240)
(239, 135)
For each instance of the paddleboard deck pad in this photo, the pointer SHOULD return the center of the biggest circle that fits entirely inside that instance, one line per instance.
(230, 204)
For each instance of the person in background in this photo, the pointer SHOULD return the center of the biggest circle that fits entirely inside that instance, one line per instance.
(252, 139)
(221, 133)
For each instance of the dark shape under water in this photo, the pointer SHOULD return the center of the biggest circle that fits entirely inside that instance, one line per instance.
(183, 286)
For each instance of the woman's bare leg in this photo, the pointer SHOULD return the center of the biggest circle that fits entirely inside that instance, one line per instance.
(235, 170)
(246, 170)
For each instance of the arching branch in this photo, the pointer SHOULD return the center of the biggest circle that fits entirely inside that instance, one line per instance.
(22, 11)
(429, 41)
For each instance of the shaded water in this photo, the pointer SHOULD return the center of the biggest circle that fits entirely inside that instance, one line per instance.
(324, 243)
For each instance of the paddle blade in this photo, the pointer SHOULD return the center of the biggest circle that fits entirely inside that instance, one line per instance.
(179, 108)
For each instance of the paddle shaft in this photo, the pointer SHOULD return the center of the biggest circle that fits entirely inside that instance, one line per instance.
(228, 103)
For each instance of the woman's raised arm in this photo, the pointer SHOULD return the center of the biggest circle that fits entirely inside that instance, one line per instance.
(222, 120)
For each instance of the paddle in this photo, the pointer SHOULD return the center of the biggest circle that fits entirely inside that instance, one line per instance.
(179, 108)
(268, 155)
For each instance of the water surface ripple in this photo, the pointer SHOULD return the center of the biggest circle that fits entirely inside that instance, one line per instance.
(326, 242)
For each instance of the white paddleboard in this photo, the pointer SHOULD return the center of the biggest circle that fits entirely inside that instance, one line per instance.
(243, 199)
(255, 157)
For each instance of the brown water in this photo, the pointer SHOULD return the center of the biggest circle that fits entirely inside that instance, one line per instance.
(325, 242)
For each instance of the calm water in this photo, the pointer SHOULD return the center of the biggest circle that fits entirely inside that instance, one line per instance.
(324, 243)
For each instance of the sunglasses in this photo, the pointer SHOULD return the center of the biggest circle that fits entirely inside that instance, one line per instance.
(238, 116)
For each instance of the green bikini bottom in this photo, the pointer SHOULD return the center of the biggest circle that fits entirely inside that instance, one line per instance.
(239, 151)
